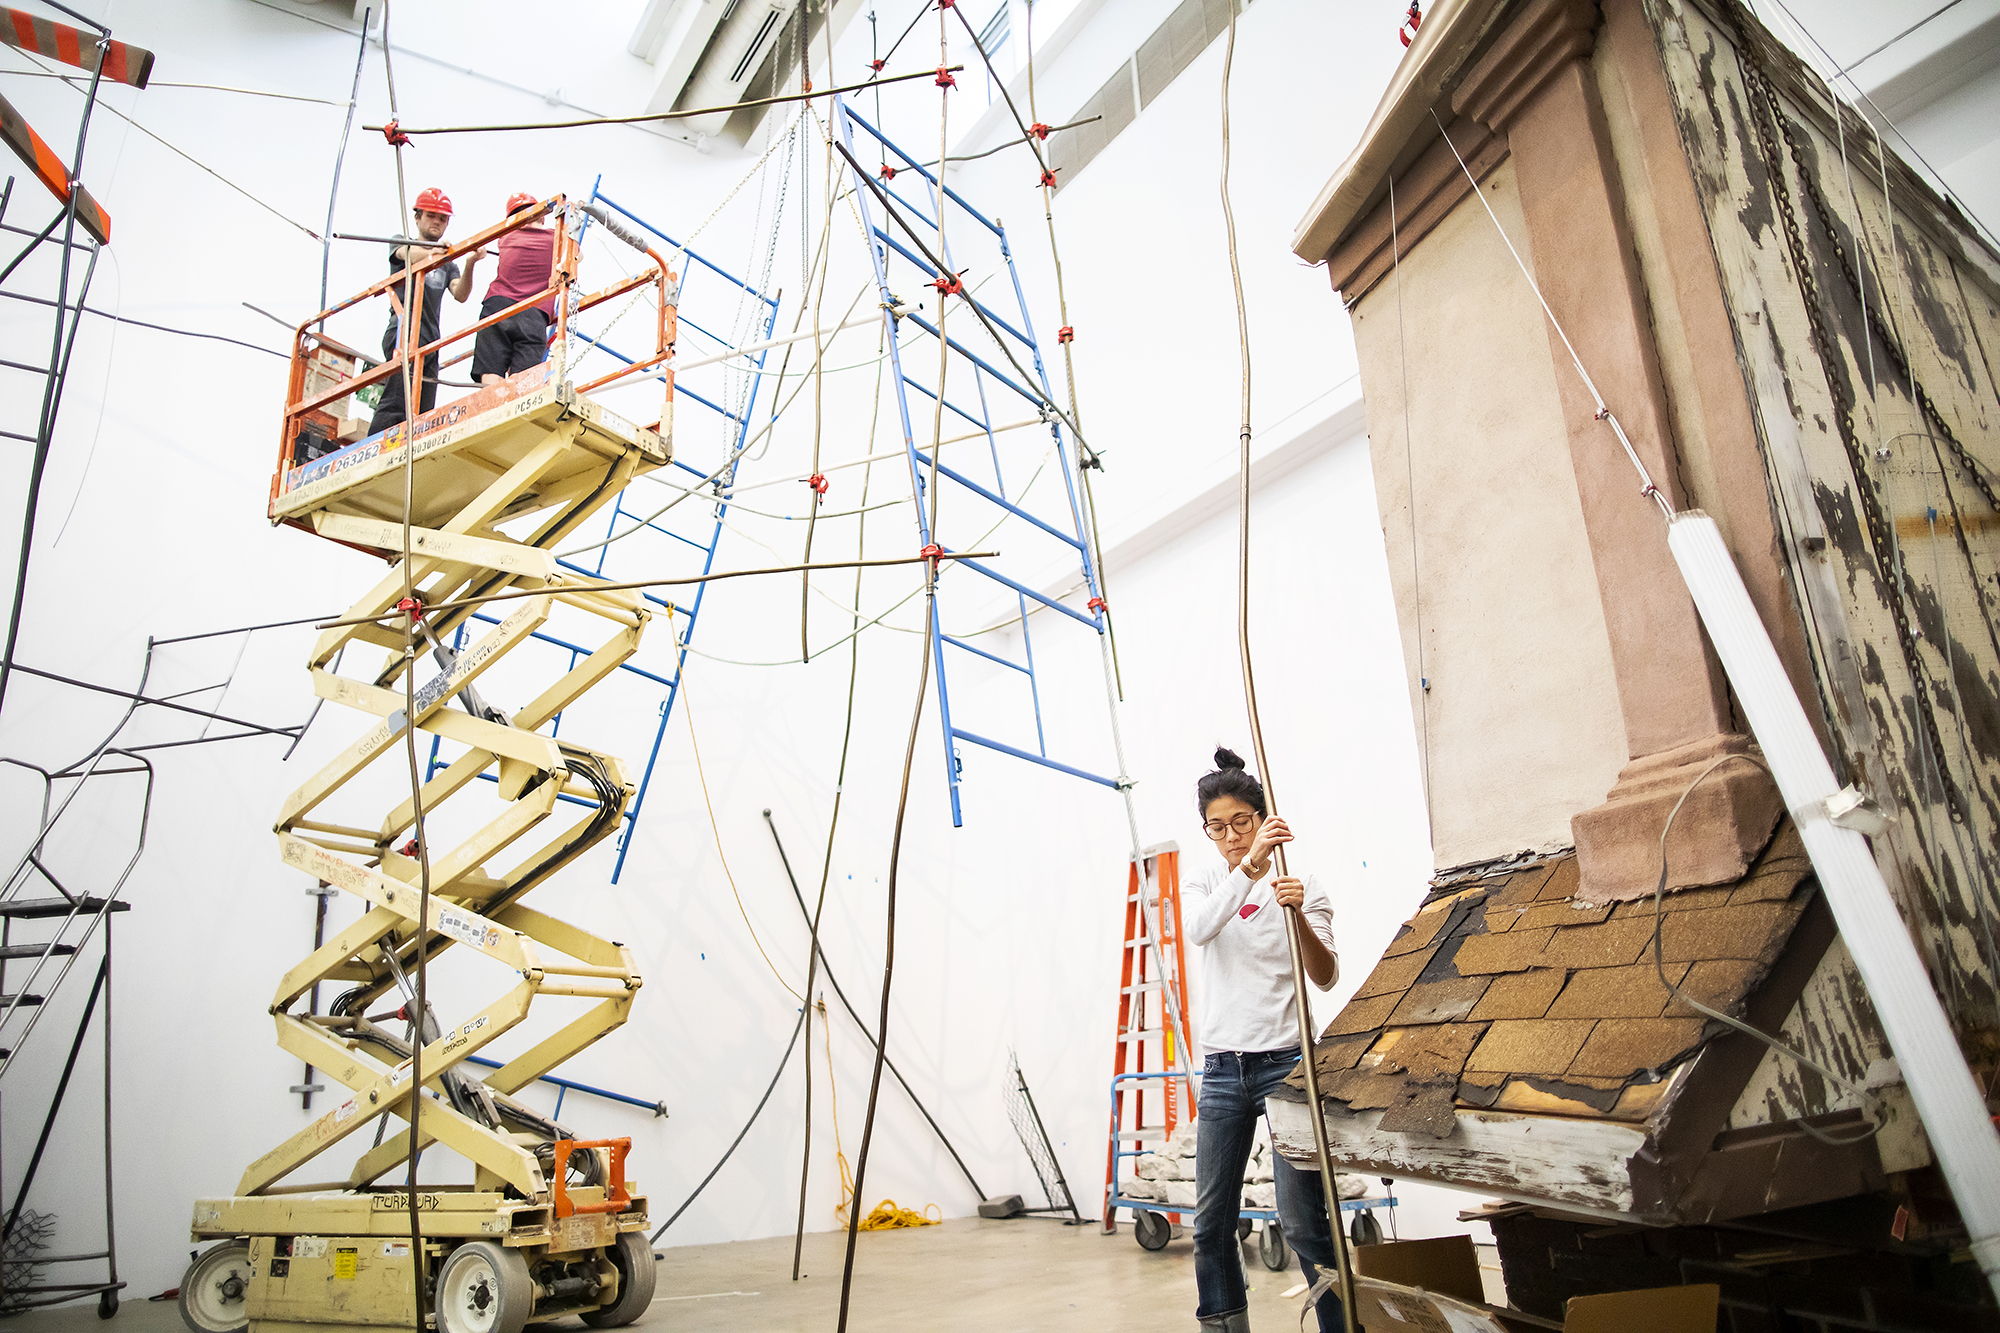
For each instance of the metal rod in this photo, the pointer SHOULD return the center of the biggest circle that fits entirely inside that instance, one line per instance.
(1294, 922)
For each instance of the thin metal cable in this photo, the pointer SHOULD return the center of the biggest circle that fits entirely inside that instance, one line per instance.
(1087, 459)
(1154, 928)
(339, 160)
(58, 374)
(839, 786)
(819, 414)
(410, 329)
(740, 1134)
(716, 829)
(1866, 1097)
(1604, 413)
(916, 718)
(1294, 923)
(1883, 118)
(177, 151)
(889, 955)
(660, 115)
(1935, 13)
(516, 594)
(727, 463)
(1410, 472)
(1904, 586)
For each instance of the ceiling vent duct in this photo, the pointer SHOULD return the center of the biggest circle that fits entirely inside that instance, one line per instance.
(745, 32)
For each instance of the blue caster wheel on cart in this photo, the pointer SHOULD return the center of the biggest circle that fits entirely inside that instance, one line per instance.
(1271, 1248)
(1364, 1229)
(1152, 1230)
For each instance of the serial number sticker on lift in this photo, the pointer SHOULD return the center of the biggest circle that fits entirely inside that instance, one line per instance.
(467, 930)
(344, 1261)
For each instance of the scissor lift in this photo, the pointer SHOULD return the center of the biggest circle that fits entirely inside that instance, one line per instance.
(549, 1225)
(632, 535)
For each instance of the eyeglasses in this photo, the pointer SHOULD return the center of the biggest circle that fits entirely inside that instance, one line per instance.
(1218, 829)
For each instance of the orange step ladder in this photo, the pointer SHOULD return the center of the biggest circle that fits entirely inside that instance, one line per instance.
(1152, 1038)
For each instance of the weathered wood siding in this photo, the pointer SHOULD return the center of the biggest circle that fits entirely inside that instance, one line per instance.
(1924, 742)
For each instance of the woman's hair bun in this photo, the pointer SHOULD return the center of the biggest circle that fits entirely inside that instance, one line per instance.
(1230, 778)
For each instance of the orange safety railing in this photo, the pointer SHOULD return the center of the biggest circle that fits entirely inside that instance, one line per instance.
(324, 364)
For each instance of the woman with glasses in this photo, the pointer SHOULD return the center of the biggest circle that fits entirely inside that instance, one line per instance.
(1236, 915)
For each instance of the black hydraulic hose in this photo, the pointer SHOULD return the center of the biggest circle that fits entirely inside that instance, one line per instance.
(796, 1029)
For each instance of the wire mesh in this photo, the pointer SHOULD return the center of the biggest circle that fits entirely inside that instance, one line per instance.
(1035, 1140)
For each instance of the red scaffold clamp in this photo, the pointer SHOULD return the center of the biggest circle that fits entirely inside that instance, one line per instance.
(932, 553)
(1065, 334)
(876, 65)
(394, 134)
(1039, 130)
(949, 285)
(944, 79)
(409, 849)
(412, 607)
(888, 172)
(819, 483)
(1095, 604)
(1411, 22)
(1048, 179)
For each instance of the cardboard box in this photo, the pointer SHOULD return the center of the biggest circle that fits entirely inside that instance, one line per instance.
(1433, 1286)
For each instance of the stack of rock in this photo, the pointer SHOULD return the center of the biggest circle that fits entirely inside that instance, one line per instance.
(1168, 1176)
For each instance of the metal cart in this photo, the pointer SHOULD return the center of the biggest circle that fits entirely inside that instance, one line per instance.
(1153, 1222)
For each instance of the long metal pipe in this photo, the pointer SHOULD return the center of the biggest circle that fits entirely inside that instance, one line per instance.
(1301, 1002)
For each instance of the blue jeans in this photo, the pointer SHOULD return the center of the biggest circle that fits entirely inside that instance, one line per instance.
(1233, 1087)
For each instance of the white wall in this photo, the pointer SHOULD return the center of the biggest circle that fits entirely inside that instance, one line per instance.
(1006, 928)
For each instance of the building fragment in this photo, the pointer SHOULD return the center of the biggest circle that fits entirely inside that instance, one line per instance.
(1794, 330)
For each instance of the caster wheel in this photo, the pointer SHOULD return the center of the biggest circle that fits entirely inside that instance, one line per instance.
(632, 1256)
(107, 1304)
(1244, 1227)
(1365, 1230)
(214, 1289)
(483, 1288)
(1271, 1248)
(1152, 1230)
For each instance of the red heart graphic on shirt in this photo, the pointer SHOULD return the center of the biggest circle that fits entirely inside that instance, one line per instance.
(1247, 911)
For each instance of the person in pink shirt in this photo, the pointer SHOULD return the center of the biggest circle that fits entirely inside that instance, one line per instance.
(527, 256)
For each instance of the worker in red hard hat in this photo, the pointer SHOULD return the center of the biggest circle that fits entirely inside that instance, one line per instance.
(526, 266)
(433, 215)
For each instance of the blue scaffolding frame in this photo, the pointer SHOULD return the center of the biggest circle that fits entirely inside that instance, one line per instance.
(719, 509)
(945, 208)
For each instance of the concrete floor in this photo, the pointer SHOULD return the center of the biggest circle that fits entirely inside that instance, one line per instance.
(1027, 1274)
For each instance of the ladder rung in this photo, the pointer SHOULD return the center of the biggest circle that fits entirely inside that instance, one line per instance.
(9, 952)
(1143, 1132)
(1142, 986)
(25, 1001)
(1144, 1034)
(37, 909)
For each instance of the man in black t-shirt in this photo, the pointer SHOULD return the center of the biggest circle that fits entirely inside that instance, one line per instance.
(433, 215)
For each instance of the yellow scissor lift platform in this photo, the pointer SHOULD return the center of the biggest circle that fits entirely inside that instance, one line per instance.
(548, 1226)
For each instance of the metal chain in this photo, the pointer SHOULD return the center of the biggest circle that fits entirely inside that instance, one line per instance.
(1769, 117)
(1890, 345)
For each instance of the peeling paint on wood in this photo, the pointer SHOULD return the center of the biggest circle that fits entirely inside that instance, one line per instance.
(1923, 742)
(1548, 1159)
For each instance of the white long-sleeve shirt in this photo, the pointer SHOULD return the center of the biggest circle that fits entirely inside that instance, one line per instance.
(1246, 962)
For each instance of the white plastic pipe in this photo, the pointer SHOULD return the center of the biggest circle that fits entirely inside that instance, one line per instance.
(1953, 1111)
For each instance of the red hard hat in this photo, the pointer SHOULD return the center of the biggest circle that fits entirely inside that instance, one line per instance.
(434, 200)
(516, 202)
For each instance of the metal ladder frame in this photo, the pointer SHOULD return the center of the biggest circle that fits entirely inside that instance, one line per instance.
(690, 614)
(881, 244)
